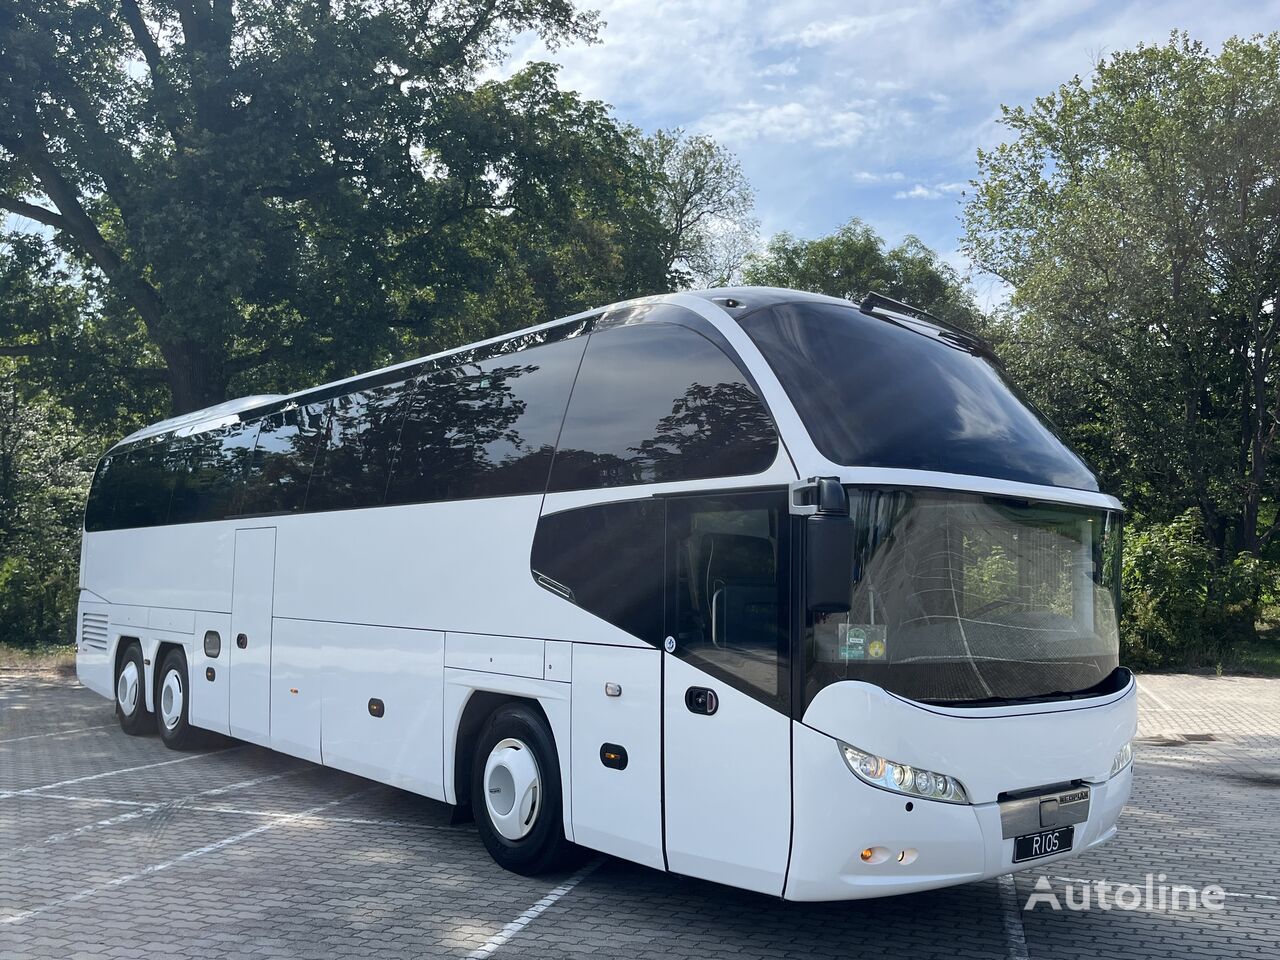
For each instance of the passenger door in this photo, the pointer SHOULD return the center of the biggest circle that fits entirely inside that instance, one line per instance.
(252, 595)
(726, 689)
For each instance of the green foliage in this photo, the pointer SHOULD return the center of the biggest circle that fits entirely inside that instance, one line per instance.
(1184, 605)
(1136, 213)
(853, 262)
(263, 194)
(45, 465)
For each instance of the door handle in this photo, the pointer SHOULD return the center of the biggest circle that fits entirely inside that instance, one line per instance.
(242, 641)
(701, 700)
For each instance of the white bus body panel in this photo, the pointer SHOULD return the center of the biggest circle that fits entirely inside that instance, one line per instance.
(298, 673)
(728, 785)
(989, 750)
(618, 811)
(405, 670)
(251, 603)
(210, 706)
(460, 565)
(181, 567)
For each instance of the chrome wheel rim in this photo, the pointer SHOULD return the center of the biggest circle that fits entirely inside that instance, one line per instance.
(171, 699)
(127, 688)
(513, 789)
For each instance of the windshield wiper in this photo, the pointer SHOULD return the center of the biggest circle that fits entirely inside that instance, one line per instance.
(895, 311)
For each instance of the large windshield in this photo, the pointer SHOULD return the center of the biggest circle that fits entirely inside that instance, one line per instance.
(959, 598)
(877, 394)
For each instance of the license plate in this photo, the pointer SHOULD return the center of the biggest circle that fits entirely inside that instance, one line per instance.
(1043, 844)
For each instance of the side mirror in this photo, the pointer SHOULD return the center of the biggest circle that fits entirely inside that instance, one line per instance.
(829, 550)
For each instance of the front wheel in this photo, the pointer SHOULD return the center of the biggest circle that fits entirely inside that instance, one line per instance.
(131, 697)
(516, 794)
(173, 702)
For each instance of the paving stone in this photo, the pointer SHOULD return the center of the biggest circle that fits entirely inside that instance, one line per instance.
(234, 851)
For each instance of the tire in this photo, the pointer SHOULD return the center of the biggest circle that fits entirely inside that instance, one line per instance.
(173, 701)
(516, 794)
(131, 693)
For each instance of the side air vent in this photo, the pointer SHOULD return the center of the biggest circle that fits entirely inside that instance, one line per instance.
(93, 630)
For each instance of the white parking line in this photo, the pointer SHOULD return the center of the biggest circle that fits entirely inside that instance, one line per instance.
(5, 794)
(1143, 688)
(143, 810)
(181, 858)
(58, 733)
(519, 923)
(1010, 912)
(242, 812)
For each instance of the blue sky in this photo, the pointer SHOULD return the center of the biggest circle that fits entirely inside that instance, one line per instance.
(869, 109)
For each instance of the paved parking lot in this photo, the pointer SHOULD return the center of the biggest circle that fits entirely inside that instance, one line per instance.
(112, 846)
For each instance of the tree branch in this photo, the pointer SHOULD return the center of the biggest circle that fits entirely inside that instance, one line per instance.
(32, 211)
(142, 36)
(77, 224)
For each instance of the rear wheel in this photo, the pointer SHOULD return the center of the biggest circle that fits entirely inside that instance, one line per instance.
(131, 699)
(173, 702)
(515, 792)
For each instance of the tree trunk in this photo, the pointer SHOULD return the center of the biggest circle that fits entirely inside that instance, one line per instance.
(197, 377)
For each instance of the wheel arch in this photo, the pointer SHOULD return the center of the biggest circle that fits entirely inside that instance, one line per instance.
(475, 699)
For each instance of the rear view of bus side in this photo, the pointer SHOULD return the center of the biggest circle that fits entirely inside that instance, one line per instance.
(751, 585)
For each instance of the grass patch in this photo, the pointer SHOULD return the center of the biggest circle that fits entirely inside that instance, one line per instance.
(1260, 657)
(59, 660)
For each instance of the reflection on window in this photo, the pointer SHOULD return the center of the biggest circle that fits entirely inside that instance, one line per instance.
(283, 457)
(208, 470)
(873, 394)
(960, 597)
(353, 468)
(658, 402)
(487, 428)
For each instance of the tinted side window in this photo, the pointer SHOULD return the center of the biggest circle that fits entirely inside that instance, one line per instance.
(607, 559)
(283, 456)
(363, 431)
(210, 471)
(97, 512)
(487, 428)
(658, 402)
(142, 488)
(730, 589)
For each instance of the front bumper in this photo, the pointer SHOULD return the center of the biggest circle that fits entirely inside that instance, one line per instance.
(837, 816)
(993, 752)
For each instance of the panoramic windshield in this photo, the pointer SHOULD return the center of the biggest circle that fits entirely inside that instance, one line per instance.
(873, 393)
(960, 598)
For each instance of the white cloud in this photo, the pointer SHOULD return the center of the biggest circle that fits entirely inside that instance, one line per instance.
(837, 114)
(934, 192)
(791, 123)
(869, 177)
(826, 31)
(783, 68)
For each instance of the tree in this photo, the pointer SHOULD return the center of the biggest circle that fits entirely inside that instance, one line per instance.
(1137, 216)
(853, 262)
(45, 464)
(703, 204)
(246, 190)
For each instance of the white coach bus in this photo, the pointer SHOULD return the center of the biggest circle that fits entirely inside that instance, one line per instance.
(751, 585)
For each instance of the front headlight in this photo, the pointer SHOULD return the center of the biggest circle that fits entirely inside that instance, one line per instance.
(900, 778)
(1123, 758)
